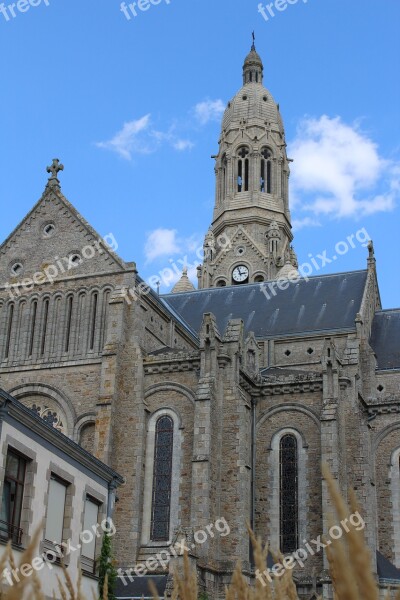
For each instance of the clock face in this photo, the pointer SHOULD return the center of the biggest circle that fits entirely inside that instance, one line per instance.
(240, 274)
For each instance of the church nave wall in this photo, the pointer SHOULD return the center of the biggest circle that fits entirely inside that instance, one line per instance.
(299, 427)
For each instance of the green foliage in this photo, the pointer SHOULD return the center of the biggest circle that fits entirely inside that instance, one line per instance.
(107, 568)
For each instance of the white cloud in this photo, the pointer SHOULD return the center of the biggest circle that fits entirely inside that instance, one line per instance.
(182, 145)
(166, 243)
(161, 242)
(209, 110)
(298, 224)
(139, 137)
(127, 141)
(338, 170)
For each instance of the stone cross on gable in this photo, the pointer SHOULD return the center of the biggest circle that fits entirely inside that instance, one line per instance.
(54, 169)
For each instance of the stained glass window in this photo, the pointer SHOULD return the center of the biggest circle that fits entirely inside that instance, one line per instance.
(162, 479)
(288, 494)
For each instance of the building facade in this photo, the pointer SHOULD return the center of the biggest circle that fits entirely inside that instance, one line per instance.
(221, 402)
(48, 482)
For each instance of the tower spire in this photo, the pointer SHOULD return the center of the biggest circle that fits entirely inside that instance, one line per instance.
(253, 67)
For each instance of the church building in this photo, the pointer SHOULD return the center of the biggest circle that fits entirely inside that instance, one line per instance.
(215, 404)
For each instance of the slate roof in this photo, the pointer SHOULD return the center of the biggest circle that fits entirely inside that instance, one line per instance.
(318, 304)
(132, 586)
(387, 572)
(385, 338)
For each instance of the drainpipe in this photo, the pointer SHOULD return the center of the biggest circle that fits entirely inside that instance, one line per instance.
(112, 487)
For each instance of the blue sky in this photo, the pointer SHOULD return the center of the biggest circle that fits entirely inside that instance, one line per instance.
(133, 110)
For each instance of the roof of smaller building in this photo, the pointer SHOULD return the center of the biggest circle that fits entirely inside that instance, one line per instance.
(385, 338)
(387, 572)
(132, 586)
(318, 304)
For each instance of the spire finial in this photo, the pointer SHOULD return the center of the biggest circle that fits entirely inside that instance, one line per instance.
(253, 47)
(371, 255)
(371, 249)
(55, 168)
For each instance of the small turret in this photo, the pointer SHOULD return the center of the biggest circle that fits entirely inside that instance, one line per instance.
(184, 284)
(253, 68)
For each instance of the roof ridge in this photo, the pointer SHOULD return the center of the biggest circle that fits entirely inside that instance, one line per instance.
(257, 284)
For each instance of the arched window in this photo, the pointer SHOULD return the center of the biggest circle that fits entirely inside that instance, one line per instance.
(9, 324)
(224, 175)
(266, 171)
(68, 323)
(243, 169)
(87, 437)
(394, 478)
(50, 416)
(288, 500)
(44, 326)
(33, 327)
(93, 320)
(162, 479)
(104, 318)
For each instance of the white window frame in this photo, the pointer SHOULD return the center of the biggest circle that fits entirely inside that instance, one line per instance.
(64, 484)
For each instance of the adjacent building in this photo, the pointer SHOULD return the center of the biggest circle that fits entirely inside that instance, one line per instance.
(51, 483)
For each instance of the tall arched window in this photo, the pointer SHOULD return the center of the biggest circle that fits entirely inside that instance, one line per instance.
(224, 164)
(104, 317)
(68, 323)
(33, 327)
(288, 500)
(394, 478)
(162, 479)
(46, 305)
(93, 320)
(9, 325)
(266, 171)
(243, 169)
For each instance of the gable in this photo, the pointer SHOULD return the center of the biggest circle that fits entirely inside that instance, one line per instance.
(54, 239)
(241, 235)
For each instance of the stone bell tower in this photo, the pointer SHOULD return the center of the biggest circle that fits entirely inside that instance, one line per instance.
(250, 236)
